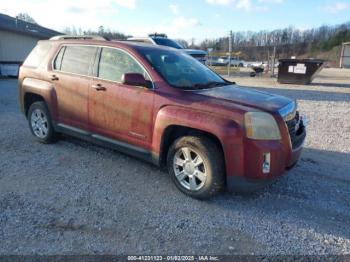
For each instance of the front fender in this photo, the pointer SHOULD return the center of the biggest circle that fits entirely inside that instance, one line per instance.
(228, 132)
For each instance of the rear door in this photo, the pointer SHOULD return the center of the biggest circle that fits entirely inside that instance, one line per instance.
(116, 110)
(72, 78)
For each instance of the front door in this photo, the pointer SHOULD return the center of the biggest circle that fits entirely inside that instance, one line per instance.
(119, 111)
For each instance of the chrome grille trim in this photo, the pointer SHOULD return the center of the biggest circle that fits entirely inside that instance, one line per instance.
(288, 112)
(297, 134)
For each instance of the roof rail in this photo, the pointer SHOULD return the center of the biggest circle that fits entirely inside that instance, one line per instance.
(82, 37)
(158, 35)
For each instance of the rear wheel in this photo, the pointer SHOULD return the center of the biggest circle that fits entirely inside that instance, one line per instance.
(40, 123)
(196, 165)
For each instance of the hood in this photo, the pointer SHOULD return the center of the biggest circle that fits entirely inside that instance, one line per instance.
(195, 52)
(248, 97)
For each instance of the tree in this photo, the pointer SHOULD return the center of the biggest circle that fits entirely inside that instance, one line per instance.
(183, 42)
(101, 30)
(25, 17)
(74, 31)
(67, 31)
(288, 41)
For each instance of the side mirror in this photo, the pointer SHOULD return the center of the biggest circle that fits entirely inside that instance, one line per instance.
(134, 79)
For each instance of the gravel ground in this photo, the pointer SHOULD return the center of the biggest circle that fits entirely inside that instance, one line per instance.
(76, 198)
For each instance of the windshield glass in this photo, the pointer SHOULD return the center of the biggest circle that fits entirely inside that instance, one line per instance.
(167, 42)
(181, 70)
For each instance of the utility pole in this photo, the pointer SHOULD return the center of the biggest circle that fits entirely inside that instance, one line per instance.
(268, 60)
(230, 51)
(274, 60)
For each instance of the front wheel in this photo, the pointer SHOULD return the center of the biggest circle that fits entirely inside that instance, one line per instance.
(196, 166)
(40, 123)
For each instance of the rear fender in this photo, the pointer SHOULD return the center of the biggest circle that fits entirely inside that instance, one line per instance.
(42, 88)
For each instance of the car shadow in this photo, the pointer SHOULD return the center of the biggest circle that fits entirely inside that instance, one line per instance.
(314, 195)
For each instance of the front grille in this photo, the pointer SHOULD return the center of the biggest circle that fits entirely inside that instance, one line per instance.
(296, 133)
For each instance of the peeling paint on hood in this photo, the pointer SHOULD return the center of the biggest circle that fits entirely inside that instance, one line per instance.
(248, 97)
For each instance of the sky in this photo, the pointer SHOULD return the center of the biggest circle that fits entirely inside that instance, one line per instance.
(185, 19)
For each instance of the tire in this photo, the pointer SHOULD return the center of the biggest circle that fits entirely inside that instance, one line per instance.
(188, 173)
(40, 123)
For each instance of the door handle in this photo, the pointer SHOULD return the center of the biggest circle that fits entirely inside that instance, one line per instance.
(54, 78)
(99, 87)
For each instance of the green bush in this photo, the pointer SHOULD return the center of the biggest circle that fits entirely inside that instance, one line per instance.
(336, 40)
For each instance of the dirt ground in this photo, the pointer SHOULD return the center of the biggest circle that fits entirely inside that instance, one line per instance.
(76, 198)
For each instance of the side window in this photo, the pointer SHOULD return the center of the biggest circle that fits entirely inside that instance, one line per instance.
(37, 55)
(58, 60)
(114, 63)
(77, 59)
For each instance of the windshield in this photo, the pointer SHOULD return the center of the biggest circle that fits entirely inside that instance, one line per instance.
(167, 42)
(181, 70)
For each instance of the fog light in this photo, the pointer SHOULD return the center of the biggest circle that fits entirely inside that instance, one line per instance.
(266, 163)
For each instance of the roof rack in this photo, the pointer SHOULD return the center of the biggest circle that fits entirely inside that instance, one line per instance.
(82, 37)
(158, 35)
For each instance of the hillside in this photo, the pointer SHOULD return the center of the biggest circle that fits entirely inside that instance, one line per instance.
(323, 42)
(332, 56)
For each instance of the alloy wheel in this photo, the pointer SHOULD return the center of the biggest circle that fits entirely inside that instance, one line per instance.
(39, 123)
(189, 168)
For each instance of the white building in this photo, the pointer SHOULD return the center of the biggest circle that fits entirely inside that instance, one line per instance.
(345, 56)
(17, 39)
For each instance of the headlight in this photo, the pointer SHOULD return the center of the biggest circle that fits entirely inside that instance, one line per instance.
(261, 126)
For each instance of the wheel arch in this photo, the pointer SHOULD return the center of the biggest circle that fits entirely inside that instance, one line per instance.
(29, 99)
(173, 132)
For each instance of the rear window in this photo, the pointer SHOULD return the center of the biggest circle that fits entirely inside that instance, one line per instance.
(38, 54)
(75, 59)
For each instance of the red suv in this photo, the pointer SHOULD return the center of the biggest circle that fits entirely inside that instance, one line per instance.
(163, 106)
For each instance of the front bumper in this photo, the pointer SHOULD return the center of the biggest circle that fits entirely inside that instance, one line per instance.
(282, 158)
(242, 184)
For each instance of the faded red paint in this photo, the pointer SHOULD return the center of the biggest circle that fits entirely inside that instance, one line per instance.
(139, 116)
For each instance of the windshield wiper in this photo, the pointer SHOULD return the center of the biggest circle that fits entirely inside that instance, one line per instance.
(210, 85)
(204, 86)
(214, 84)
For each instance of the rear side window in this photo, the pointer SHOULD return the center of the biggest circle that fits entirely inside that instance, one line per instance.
(38, 54)
(114, 63)
(75, 59)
